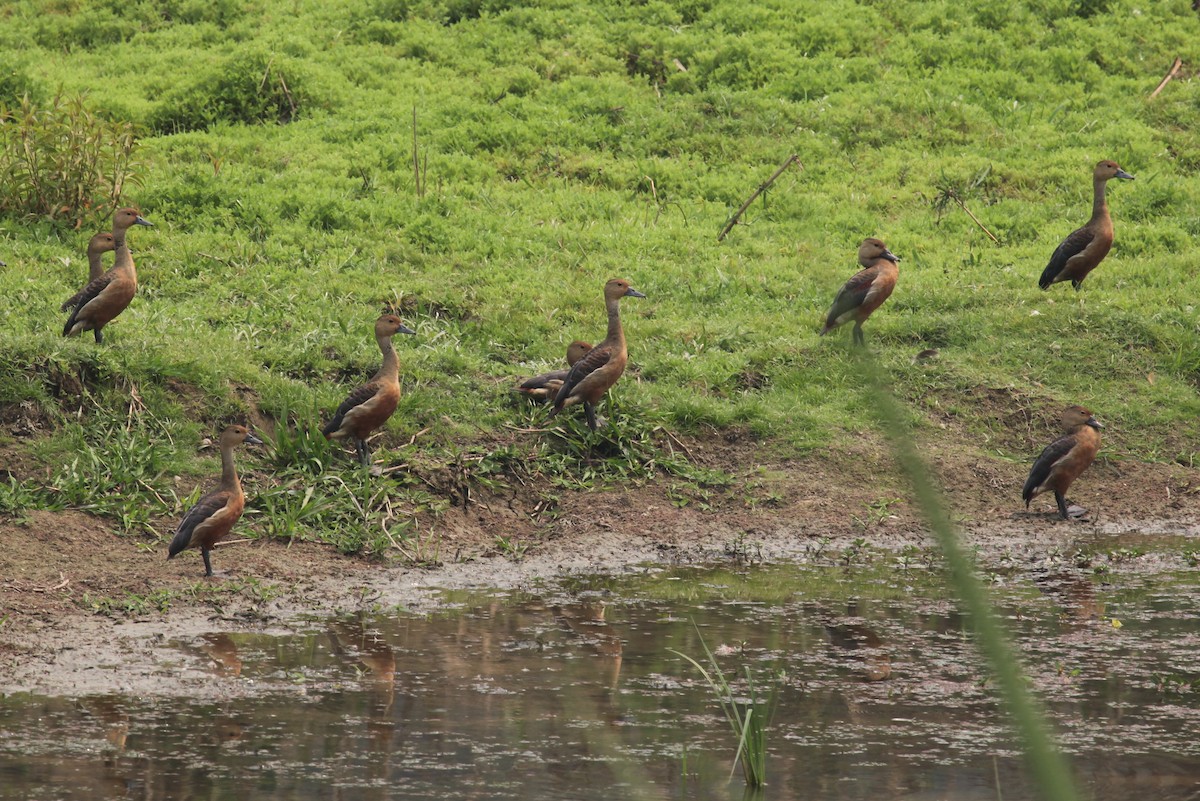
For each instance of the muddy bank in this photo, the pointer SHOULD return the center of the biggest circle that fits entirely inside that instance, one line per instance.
(137, 653)
(87, 611)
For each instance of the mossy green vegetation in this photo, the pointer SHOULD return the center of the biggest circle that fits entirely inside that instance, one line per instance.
(561, 144)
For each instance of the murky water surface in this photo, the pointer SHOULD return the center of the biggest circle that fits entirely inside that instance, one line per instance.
(575, 692)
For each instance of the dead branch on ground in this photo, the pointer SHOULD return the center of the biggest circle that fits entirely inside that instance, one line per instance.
(954, 196)
(762, 188)
(1171, 73)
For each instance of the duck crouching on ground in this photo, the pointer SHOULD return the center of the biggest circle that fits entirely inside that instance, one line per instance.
(545, 387)
(98, 245)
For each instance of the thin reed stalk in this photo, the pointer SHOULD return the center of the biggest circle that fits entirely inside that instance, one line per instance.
(1049, 768)
(748, 721)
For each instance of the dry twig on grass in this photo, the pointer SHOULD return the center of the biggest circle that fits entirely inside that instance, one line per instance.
(678, 442)
(762, 188)
(948, 190)
(954, 196)
(418, 174)
(60, 585)
(1167, 78)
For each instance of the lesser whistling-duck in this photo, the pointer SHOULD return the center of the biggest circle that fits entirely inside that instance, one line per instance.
(1086, 247)
(214, 515)
(599, 369)
(1063, 460)
(98, 245)
(370, 406)
(546, 386)
(107, 296)
(866, 290)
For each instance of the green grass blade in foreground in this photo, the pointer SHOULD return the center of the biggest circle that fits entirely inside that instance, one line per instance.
(1051, 773)
(749, 728)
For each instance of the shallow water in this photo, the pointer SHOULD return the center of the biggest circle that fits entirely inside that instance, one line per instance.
(574, 692)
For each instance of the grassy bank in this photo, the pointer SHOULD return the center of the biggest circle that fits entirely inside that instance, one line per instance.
(559, 145)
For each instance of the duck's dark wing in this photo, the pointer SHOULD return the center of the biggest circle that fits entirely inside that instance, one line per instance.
(1051, 455)
(205, 508)
(590, 363)
(74, 300)
(85, 296)
(540, 381)
(356, 398)
(1075, 243)
(852, 294)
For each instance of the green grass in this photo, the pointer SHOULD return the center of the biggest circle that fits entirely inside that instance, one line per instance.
(216, 595)
(561, 144)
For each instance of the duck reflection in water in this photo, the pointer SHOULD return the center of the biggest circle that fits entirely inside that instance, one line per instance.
(375, 660)
(860, 643)
(586, 620)
(1075, 593)
(110, 711)
(223, 652)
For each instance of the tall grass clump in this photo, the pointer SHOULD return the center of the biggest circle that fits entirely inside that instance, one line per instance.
(310, 495)
(115, 469)
(354, 512)
(252, 87)
(748, 720)
(16, 83)
(62, 161)
(18, 496)
(624, 449)
(302, 448)
(632, 447)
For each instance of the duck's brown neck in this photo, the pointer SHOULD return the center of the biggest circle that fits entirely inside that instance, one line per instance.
(1099, 204)
(124, 257)
(229, 476)
(615, 333)
(391, 363)
(95, 265)
(1086, 433)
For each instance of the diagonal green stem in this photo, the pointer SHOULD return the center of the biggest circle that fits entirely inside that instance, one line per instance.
(1051, 773)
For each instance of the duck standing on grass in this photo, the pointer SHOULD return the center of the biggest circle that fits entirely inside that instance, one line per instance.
(1064, 459)
(592, 375)
(214, 515)
(1086, 247)
(370, 406)
(545, 387)
(107, 296)
(866, 290)
(98, 245)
